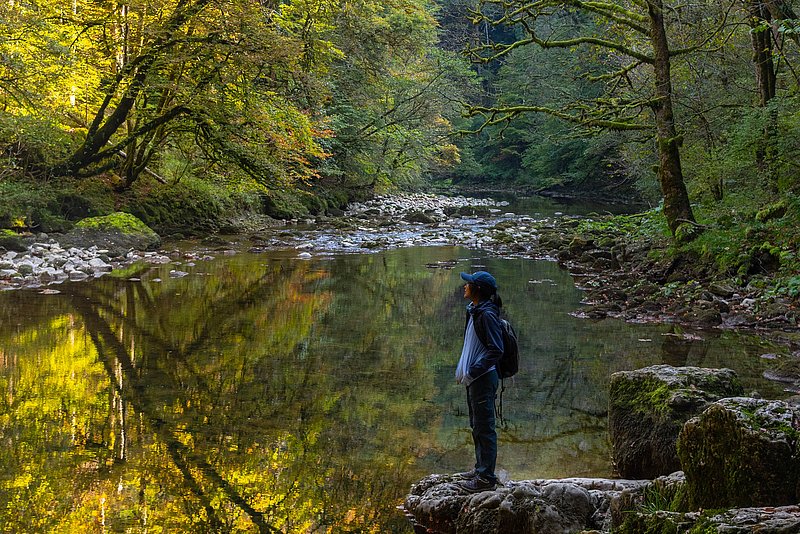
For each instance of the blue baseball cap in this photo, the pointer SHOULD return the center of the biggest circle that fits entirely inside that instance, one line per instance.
(482, 278)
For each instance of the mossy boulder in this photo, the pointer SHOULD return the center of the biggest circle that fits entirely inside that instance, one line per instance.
(193, 206)
(10, 240)
(655, 522)
(284, 204)
(550, 241)
(687, 232)
(580, 244)
(117, 232)
(773, 211)
(468, 211)
(417, 216)
(741, 452)
(632, 511)
(648, 407)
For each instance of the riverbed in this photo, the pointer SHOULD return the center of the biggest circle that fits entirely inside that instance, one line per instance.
(282, 382)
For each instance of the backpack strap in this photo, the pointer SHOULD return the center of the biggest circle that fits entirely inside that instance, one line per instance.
(477, 324)
(498, 408)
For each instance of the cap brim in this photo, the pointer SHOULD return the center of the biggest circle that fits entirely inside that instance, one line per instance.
(467, 277)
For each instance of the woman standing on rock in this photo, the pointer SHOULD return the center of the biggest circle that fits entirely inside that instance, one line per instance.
(477, 370)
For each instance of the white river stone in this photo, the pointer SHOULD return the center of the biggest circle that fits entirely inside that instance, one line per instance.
(99, 265)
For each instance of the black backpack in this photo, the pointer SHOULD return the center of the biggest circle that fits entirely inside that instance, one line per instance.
(508, 365)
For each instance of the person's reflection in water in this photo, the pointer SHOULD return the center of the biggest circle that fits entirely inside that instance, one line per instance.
(675, 348)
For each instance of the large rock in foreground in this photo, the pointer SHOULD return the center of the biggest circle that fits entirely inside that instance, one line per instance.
(438, 505)
(648, 407)
(741, 452)
(118, 233)
(768, 520)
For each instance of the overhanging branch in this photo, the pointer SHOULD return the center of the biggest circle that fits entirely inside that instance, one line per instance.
(497, 115)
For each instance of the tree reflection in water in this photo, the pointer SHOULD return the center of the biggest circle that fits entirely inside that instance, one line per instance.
(266, 394)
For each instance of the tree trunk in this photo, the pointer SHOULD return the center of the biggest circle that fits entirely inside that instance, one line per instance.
(677, 209)
(761, 39)
(95, 140)
(104, 126)
(762, 51)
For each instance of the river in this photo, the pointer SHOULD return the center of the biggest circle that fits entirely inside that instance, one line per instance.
(263, 391)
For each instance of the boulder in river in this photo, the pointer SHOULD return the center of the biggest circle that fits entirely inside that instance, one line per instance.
(118, 233)
(419, 217)
(648, 407)
(437, 504)
(742, 452)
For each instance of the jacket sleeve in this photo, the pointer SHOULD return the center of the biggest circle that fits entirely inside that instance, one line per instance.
(489, 331)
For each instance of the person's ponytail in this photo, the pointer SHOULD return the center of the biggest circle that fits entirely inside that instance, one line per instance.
(496, 300)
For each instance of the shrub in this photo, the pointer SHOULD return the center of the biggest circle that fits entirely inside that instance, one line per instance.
(31, 145)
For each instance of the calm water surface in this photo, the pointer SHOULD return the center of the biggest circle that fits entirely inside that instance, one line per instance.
(266, 392)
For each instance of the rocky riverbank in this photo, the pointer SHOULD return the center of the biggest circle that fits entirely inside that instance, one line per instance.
(736, 457)
(101, 245)
(97, 246)
(638, 280)
(634, 279)
(49, 263)
(398, 221)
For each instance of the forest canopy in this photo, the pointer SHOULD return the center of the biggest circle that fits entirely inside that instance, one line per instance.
(279, 94)
(328, 101)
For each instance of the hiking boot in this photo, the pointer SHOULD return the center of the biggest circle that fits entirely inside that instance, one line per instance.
(472, 473)
(477, 484)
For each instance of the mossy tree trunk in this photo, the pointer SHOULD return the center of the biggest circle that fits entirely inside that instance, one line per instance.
(677, 208)
(761, 39)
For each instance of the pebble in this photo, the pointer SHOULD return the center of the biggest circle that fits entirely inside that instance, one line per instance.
(77, 276)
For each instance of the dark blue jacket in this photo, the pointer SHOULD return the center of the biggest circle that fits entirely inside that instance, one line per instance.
(486, 321)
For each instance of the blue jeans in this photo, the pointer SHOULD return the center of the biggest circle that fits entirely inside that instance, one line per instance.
(480, 398)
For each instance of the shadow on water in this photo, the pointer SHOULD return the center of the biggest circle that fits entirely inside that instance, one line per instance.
(262, 393)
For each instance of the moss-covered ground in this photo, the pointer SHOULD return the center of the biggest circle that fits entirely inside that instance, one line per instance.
(745, 240)
(190, 206)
